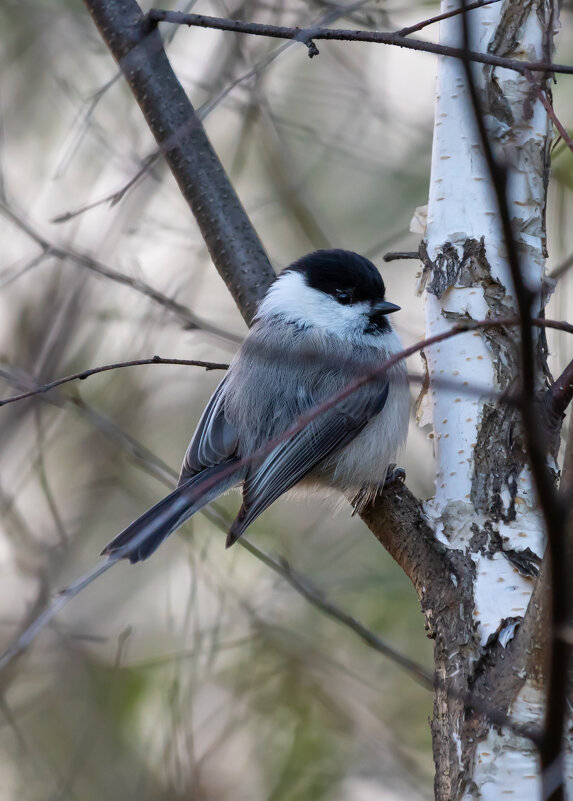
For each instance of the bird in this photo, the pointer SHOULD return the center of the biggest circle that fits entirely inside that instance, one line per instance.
(321, 327)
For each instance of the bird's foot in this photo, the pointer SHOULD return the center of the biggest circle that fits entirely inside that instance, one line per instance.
(394, 475)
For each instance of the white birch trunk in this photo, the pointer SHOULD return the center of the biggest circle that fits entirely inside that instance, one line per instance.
(484, 504)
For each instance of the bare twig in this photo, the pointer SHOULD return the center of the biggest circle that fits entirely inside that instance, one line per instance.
(308, 35)
(406, 254)
(562, 268)
(64, 597)
(16, 274)
(144, 457)
(446, 15)
(560, 393)
(542, 95)
(204, 110)
(83, 374)
(317, 598)
(114, 197)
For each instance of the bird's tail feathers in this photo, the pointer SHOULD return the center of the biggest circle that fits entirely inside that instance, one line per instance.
(142, 537)
(247, 514)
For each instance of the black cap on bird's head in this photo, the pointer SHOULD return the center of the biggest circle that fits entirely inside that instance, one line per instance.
(334, 271)
(332, 290)
(347, 277)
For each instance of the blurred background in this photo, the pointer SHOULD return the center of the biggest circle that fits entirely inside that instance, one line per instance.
(202, 673)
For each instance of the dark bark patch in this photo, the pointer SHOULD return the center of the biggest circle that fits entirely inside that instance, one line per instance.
(444, 271)
(525, 561)
(509, 29)
(471, 269)
(499, 460)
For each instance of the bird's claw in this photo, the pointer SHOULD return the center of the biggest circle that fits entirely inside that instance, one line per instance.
(394, 475)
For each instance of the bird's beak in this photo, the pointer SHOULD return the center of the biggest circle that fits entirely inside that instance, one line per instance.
(386, 307)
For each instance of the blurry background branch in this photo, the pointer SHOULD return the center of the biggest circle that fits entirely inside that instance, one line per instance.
(233, 244)
(184, 314)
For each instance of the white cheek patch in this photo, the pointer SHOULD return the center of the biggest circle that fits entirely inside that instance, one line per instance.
(291, 297)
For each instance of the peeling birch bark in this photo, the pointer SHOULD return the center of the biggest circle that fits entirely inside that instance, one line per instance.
(484, 508)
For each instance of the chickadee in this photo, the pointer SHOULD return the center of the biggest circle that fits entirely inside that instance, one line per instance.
(322, 324)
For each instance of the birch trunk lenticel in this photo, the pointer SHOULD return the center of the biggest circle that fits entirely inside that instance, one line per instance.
(484, 508)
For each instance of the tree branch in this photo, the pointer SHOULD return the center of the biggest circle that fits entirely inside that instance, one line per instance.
(308, 35)
(83, 374)
(560, 393)
(446, 15)
(396, 520)
(544, 100)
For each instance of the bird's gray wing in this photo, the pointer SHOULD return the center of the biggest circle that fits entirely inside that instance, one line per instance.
(209, 469)
(297, 456)
(214, 441)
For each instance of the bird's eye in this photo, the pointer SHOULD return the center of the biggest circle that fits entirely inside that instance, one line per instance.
(344, 298)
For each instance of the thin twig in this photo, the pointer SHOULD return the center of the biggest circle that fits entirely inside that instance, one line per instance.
(233, 244)
(316, 597)
(114, 197)
(562, 268)
(63, 598)
(446, 15)
(560, 393)
(206, 108)
(83, 374)
(542, 95)
(308, 35)
(406, 254)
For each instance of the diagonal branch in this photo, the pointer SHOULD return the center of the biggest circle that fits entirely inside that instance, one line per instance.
(542, 95)
(454, 12)
(396, 520)
(560, 393)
